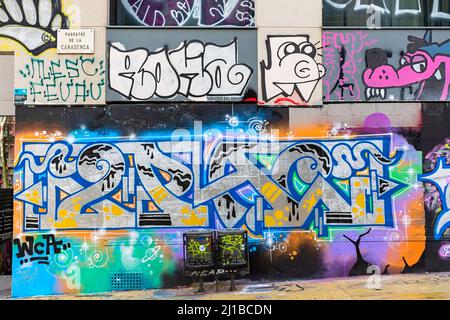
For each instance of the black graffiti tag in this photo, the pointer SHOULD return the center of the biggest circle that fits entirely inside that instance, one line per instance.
(39, 251)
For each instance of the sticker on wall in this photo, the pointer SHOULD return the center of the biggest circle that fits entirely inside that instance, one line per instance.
(20, 96)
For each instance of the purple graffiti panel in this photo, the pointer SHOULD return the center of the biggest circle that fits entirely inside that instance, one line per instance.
(156, 13)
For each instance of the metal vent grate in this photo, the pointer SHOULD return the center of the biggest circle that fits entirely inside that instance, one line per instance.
(122, 281)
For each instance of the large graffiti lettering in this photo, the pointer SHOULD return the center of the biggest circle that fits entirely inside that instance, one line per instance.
(425, 63)
(78, 80)
(192, 12)
(194, 70)
(319, 184)
(291, 67)
(33, 24)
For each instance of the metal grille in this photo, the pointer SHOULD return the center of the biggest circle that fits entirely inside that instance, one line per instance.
(6, 213)
(123, 281)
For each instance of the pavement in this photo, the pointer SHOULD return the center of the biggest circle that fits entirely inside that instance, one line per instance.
(435, 286)
(5, 287)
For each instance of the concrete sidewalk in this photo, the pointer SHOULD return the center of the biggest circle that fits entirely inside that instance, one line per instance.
(391, 287)
(5, 287)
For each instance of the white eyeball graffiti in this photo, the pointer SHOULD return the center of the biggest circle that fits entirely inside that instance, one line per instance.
(33, 24)
(291, 67)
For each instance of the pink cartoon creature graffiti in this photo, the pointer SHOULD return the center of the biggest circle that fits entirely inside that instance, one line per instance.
(424, 71)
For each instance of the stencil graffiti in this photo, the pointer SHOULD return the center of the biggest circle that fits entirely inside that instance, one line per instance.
(195, 70)
(31, 250)
(150, 183)
(192, 12)
(291, 67)
(79, 80)
(425, 63)
(33, 24)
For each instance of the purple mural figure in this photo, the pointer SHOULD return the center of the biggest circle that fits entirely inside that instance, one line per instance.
(157, 13)
(425, 64)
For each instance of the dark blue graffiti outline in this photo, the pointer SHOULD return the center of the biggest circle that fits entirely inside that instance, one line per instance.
(235, 191)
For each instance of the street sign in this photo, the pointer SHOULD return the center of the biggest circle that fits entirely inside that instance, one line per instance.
(75, 41)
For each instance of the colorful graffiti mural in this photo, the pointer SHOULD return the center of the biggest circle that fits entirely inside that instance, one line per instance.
(156, 183)
(425, 63)
(436, 181)
(103, 195)
(192, 12)
(423, 74)
(439, 177)
(298, 198)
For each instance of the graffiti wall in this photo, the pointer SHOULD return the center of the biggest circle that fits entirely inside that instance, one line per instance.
(386, 66)
(29, 29)
(209, 128)
(97, 189)
(171, 65)
(177, 13)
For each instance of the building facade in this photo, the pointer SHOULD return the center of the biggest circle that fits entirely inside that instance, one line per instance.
(319, 127)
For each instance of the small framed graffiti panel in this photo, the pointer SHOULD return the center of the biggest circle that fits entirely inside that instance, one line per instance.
(386, 66)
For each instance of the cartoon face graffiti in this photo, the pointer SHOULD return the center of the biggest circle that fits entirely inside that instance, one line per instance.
(424, 70)
(292, 67)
